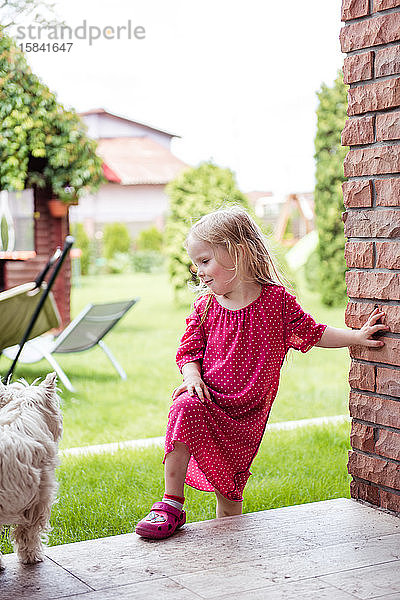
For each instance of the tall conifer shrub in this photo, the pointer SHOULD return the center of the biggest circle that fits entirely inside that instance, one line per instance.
(329, 156)
(194, 193)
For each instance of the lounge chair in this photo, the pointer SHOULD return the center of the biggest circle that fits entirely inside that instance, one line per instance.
(85, 331)
(17, 307)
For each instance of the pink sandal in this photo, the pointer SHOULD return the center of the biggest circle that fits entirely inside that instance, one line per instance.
(161, 522)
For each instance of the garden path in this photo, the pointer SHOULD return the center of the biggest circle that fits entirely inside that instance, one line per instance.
(331, 550)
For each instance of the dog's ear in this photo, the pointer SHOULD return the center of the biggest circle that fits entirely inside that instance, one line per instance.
(50, 382)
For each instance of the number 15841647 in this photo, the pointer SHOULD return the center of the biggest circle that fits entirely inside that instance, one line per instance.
(46, 47)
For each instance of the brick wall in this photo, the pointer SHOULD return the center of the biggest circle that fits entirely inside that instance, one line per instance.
(371, 39)
(50, 233)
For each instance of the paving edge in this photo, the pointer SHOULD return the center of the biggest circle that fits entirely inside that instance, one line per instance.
(159, 441)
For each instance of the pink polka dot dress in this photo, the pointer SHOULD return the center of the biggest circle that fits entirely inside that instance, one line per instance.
(241, 354)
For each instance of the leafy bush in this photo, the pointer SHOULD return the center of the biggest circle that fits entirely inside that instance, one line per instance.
(329, 155)
(119, 263)
(312, 272)
(116, 239)
(150, 239)
(291, 225)
(82, 241)
(194, 193)
(147, 261)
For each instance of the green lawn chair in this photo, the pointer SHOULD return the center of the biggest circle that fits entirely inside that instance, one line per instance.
(84, 332)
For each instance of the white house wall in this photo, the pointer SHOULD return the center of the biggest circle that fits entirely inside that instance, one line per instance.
(138, 206)
(105, 126)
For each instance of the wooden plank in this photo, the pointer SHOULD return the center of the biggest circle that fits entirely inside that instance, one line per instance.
(369, 582)
(37, 582)
(239, 577)
(324, 550)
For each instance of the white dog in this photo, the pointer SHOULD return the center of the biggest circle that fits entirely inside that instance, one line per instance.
(30, 428)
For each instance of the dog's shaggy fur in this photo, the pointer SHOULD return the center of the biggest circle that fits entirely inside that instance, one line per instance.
(30, 428)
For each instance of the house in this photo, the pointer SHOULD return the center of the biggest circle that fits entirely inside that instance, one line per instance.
(137, 163)
(266, 206)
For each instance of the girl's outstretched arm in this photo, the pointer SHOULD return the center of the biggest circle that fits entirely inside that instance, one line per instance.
(338, 338)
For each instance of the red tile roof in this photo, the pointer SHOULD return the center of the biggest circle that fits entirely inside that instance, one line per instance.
(135, 161)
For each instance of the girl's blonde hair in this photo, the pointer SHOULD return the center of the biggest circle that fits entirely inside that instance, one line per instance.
(235, 230)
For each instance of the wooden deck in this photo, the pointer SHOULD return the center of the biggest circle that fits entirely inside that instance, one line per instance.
(332, 550)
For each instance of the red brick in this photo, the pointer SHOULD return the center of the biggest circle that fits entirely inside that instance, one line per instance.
(358, 193)
(362, 437)
(388, 382)
(387, 61)
(357, 314)
(363, 491)
(387, 444)
(390, 501)
(369, 284)
(374, 96)
(372, 161)
(372, 32)
(374, 469)
(387, 192)
(388, 126)
(384, 4)
(359, 254)
(358, 67)
(387, 255)
(358, 131)
(362, 376)
(388, 354)
(382, 411)
(372, 223)
(351, 9)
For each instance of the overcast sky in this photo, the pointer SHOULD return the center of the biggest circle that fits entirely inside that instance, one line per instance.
(236, 80)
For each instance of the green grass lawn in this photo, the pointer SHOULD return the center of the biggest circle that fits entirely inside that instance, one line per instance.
(106, 409)
(106, 494)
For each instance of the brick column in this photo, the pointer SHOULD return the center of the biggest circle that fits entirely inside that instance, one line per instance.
(371, 39)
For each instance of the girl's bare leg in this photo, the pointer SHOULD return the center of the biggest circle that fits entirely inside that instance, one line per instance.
(176, 463)
(227, 508)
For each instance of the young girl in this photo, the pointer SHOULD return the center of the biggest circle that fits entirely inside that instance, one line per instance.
(230, 357)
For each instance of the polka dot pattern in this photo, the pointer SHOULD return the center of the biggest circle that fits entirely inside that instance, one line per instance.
(241, 352)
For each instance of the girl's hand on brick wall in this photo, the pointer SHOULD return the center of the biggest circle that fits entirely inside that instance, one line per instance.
(371, 327)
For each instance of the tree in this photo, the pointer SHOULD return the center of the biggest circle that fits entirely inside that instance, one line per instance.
(116, 239)
(194, 193)
(329, 156)
(41, 143)
(39, 11)
(150, 239)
